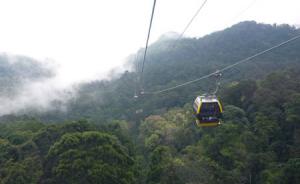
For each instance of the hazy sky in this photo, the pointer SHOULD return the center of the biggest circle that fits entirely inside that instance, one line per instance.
(88, 37)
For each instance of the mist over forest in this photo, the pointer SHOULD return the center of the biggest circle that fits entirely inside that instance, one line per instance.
(91, 132)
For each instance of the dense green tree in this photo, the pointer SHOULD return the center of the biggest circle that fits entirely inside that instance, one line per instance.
(162, 167)
(88, 157)
(291, 171)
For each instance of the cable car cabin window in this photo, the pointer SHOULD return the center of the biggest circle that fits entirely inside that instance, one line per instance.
(211, 108)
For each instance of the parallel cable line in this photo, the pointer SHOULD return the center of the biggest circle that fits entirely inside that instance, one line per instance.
(179, 37)
(191, 21)
(147, 42)
(188, 25)
(227, 67)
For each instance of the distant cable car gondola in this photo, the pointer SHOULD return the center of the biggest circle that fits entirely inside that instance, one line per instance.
(208, 110)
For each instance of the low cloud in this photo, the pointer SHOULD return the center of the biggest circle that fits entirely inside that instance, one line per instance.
(31, 87)
(35, 97)
(28, 85)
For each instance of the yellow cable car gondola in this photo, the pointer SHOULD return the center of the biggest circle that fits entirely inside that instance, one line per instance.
(208, 111)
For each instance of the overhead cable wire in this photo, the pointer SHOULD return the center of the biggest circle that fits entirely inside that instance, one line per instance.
(239, 14)
(227, 67)
(136, 91)
(147, 41)
(189, 24)
(179, 37)
(249, 6)
(192, 19)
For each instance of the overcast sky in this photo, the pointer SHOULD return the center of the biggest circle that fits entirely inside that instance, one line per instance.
(89, 37)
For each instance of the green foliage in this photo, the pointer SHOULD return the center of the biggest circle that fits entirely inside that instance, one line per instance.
(163, 168)
(88, 157)
(255, 143)
(291, 171)
(53, 153)
(239, 94)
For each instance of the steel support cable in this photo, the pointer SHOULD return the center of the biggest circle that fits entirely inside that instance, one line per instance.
(183, 32)
(147, 42)
(227, 67)
(191, 21)
(136, 91)
(244, 10)
(179, 37)
(188, 25)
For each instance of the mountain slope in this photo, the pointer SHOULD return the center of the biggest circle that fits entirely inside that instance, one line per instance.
(170, 63)
(192, 57)
(257, 142)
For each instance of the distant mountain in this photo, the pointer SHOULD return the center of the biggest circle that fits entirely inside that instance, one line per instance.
(169, 36)
(190, 58)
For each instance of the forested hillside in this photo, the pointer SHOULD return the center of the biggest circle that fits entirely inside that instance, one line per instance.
(258, 142)
(172, 62)
(101, 138)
